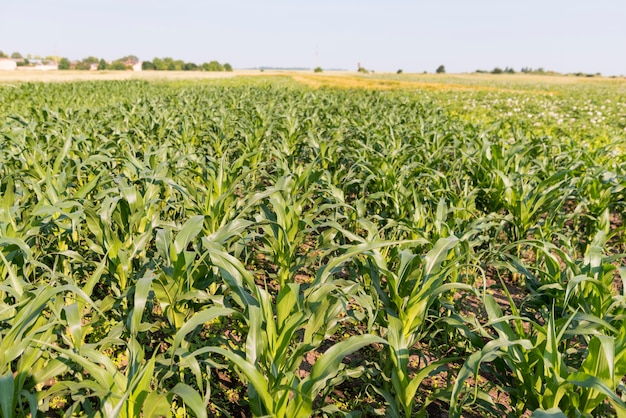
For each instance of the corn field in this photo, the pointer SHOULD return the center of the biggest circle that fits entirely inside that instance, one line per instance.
(264, 248)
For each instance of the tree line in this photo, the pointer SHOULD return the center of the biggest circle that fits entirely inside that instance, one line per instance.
(169, 64)
(120, 64)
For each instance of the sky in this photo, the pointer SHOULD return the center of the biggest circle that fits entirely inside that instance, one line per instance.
(415, 36)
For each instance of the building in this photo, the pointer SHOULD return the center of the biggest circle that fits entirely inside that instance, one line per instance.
(41, 67)
(7, 64)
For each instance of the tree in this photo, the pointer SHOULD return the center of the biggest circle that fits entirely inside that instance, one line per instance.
(190, 66)
(212, 66)
(3, 55)
(399, 71)
(102, 65)
(148, 66)
(440, 70)
(91, 60)
(159, 64)
(497, 70)
(317, 70)
(64, 64)
(227, 67)
(131, 59)
(16, 55)
(82, 65)
(117, 66)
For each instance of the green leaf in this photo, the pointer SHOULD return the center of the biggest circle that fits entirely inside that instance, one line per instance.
(7, 388)
(142, 290)
(191, 398)
(549, 413)
(197, 319)
(327, 366)
(436, 256)
(156, 405)
(285, 302)
(256, 379)
(188, 232)
(74, 322)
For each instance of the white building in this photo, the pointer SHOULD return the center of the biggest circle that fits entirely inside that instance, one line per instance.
(7, 64)
(41, 67)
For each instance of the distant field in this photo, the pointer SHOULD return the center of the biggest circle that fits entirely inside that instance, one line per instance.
(342, 79)
(54, 76)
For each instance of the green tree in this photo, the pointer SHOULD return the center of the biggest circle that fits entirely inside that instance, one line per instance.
(168, 64)
(317, 70)
(440, 70)
(227, 67)
(497, 70)
(148, 66)
(91, 60)
(3, 55)
(159, 64)
(118, 66)
(64, 64)
(82, 65)
(212, 66)
(102, 65)
(16, 55)
(132, 59)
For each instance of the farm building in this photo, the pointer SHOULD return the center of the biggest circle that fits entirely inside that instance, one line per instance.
(40, 67)
(7, 64)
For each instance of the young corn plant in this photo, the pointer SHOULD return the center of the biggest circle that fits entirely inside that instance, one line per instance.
(117, 393)
(280, 334)
(28, 326)
(287, 221)
(21, 350)
(122, 230)
(531, 207)
(537, 356)
(406, 294)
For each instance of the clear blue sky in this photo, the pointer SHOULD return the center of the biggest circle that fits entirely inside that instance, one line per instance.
(464, 35)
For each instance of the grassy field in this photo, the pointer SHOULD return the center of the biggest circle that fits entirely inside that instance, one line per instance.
(298, 244)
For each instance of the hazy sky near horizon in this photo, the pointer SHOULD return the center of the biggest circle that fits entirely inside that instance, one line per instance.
(416, 36)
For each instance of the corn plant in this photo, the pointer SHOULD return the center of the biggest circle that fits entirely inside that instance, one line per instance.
(286, 222)
(406, 295)
(196, 248)
(279, 335)
(537, 357)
